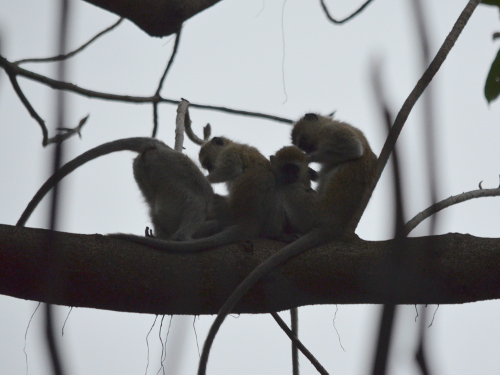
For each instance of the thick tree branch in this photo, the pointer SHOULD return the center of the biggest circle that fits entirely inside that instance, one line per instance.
(155, 17)
(106, 273)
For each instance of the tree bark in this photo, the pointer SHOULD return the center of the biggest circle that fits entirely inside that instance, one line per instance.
(104, 273)
(155, 17)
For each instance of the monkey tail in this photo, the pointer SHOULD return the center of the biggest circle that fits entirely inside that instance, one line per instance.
(137, 144)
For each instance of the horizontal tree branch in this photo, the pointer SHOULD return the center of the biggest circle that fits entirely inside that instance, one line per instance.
(156, 17)
(107, 273)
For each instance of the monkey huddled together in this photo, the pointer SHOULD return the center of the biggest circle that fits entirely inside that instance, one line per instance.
(269, 198)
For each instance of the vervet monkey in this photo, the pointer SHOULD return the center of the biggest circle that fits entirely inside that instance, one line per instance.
(178, 195)
(293, 189)
(252, 206)
(347, 166)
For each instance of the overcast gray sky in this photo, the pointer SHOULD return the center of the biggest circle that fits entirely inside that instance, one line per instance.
(273, 57)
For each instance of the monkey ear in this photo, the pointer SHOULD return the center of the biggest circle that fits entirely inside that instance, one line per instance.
(217, 141)
(313, 175)
(332, 114)
(272, 159)
(310, 116)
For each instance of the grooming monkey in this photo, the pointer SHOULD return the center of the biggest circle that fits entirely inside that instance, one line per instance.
(293, 189)
(252, 201)
(178, 195)
(347, 166)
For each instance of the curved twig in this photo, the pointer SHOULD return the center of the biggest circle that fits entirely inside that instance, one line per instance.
(33, 113)
(405, 110)
(126, 144)
(170, 61)
(455, 199)
(299, 344)
(72, 53)
(59, 85)
(338, 22)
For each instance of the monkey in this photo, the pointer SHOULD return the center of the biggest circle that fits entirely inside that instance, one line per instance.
(347, 166)
(177, 193)
(293, 189)
(251, 201)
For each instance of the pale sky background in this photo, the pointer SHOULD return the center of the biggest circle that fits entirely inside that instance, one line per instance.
(233, 55)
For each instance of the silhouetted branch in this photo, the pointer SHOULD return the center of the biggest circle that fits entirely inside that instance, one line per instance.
(455, 199)
(462, 268)
(72, 53)
(207, 131)
(405, 110)
(338, 22)
(299, 344)
(16, 70)
(157, 96)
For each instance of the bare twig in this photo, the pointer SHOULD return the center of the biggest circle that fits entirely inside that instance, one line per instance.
(59, 85)
(193, 137)
(338, 22)
(72, 53)
(417, 219)
(299, 344)
(156, 97)
(28, 106)
(68, 132)
(182, 116)
(170, 62)
(405, 110)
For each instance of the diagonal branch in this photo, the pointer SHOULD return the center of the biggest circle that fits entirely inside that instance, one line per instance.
(338, 22)
(299, 344)
(455, 199)
(72, 53)
(409, 103)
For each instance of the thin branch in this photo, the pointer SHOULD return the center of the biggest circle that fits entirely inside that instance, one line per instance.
(193, 137)
(58, 85)
(155, 120)
(294, 323)
(45, 140)
(170, 62)
(299, 344)
(417, 219)
(28, 106)
(72, 53)
(68, 132)
(338, 22)
(405, 110)
(182, 116)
